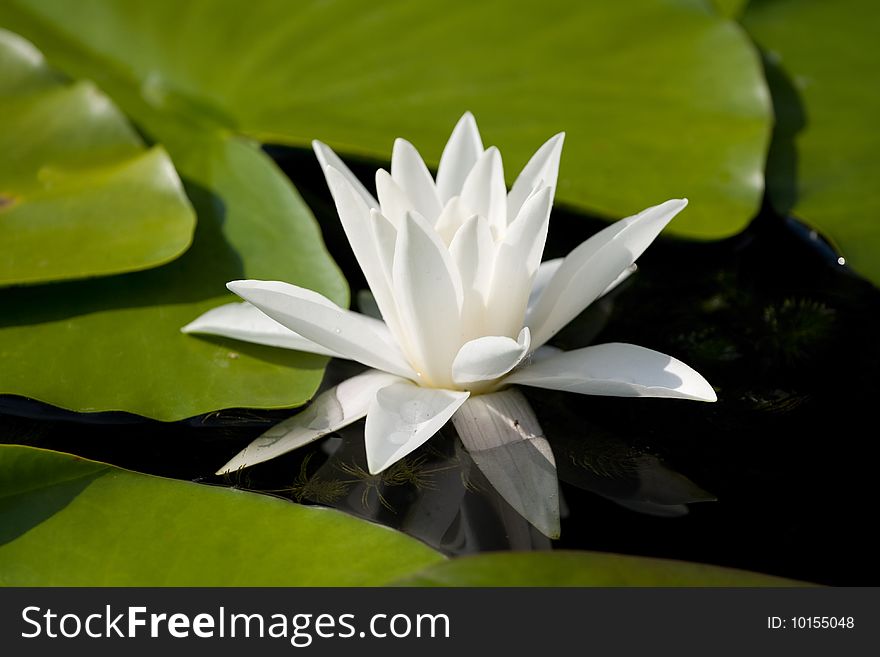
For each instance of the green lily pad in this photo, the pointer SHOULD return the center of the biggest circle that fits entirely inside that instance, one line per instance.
(114, 343)
(659, 100)
(66, 521)
(824, 69)
(562, 568)
(730, 8)
(80, 195)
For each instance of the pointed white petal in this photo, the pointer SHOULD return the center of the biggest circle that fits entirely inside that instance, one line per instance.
(489, 357)
(459, 156)
(320, 320)
(542, 169)
(429, 296)
(385, 237)
(484, 192)
(473, 252)
(504, 439)
(384, 241)
(409, 171)
(528, 232)
(243, 321)
(451, 219)
(516, 262)
(617, 370)
(594, 265)
(546, 271)
(355, 216)
(393, 200)
(331, 410)
(326, 157)
(402, 417)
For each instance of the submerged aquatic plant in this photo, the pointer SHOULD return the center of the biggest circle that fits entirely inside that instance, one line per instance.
(467, 307)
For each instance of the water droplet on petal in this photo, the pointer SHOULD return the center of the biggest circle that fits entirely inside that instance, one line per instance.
(841, 260)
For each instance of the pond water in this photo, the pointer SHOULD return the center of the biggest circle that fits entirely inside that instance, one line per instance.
(777, 476)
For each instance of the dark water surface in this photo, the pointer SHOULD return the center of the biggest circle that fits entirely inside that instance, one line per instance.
(778, 476)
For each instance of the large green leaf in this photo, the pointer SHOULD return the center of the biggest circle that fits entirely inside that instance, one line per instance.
(65, 521)
(824, 67)
(80, 196)
(659, 99)
(114, 343)
(582, 569)
(730, 8)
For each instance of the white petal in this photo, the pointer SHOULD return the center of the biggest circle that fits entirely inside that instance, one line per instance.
(594, 265)
(516, 262)
(243, 321)
(489, 357)
(544, 352)
(385, 237)
(546, 271)
(459, 156)
(355, 216)
(473, 252)
(393, 200)
(384, 241)
(409, 171)
(428, 293)
(504, 439)
(331, 410)
(452, 219)
(617, 370)
(542, 169)
(528, 232)
(484, 192)
(320, 320)
(402, 417)
(326, 157)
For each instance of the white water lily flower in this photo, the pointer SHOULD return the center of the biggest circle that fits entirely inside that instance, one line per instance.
(466, 308)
